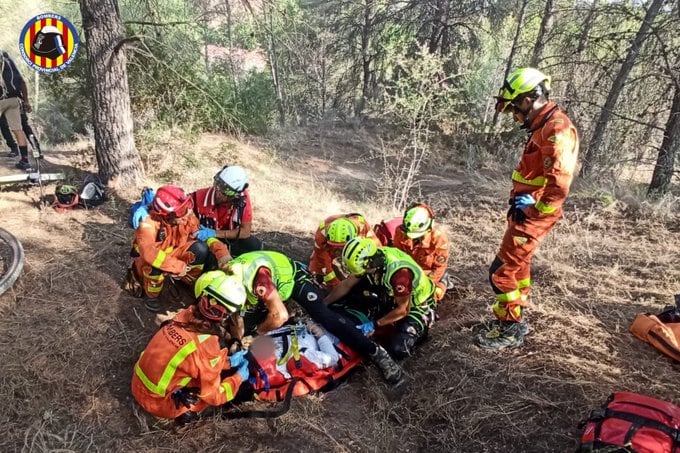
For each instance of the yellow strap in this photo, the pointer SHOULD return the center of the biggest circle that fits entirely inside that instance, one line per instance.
(509, 297)
(328, 277)
(539, 181)
(226, 386)
(545, 208)
(159, 259)
(524, 283)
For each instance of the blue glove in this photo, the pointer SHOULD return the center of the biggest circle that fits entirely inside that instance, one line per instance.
(147, 196)
(138, 212)
(524, 201)
(367, 327)
(237, 358)
(203, 234)
(243, 371)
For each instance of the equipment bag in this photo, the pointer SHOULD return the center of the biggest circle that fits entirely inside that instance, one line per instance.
(661, 331)
(629, 422)
(270, 384)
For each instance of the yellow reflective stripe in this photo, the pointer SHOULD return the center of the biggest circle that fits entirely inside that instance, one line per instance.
(228, 390)
(545, 208)
(328, 277)
(203, 337)
(183, 382)
(162, 387)
(539, 181)
(154, 289)
(159, 259)
(509, 297)
(524, 283)
(211, 241)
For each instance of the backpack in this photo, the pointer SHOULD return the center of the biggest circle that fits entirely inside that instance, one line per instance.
(386, 230)
(268, 381)
(661, 331)
(93, 192)
(633, 422)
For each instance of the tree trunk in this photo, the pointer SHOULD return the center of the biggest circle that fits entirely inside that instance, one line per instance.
(366, 30)
(665, 161)
(570, 90)
(268, 21)
(513, 50)
(543, 32)
(593, 151)
(118, 160)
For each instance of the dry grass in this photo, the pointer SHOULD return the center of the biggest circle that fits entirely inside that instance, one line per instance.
(70, 336)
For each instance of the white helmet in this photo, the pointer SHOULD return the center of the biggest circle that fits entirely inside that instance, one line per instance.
(231, 180)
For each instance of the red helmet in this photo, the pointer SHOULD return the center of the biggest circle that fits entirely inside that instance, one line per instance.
(171, 201)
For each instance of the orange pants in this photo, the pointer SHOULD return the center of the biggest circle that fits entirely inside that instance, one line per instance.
(510, 272)
(153, 278)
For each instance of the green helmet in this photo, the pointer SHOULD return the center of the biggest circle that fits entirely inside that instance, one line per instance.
(357, 253)
(219, 294)
(519, 82)
(340, 231)
(418, 220)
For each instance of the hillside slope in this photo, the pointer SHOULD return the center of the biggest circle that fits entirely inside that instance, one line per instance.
(70, 335)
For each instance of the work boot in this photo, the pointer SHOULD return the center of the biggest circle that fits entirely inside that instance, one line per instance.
(153, 305)
(501, 334)
(23, 165)
(14, 152)
(390, 369)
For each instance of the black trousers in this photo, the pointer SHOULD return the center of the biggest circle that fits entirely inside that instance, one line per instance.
(369, 303)
(240, 246)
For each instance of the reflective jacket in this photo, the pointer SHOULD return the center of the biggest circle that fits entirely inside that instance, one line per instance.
(548, 163)
(225, 216)
(430, 251)
(155, 240)
(280, 266)
(321, 261)
(176, 358)
(395, 259)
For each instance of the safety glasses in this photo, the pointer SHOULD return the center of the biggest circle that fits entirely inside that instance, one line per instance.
(224, 188)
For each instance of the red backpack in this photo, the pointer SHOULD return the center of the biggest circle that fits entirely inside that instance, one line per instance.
(636, 423)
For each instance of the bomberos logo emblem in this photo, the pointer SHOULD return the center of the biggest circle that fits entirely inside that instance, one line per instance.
(49, 43)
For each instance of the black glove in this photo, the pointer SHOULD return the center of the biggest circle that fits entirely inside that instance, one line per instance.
(186, 396)
(516, 214)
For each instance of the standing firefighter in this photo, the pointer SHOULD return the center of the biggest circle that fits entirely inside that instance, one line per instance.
(540, 185)
(186, 367)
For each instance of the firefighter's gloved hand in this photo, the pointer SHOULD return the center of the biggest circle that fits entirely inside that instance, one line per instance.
(367, 328)
(203, 234)
(517, 206)
(243, 371)
(523, 201)
(147, 196)
(186, 396)
(237, 358)
(138, 212)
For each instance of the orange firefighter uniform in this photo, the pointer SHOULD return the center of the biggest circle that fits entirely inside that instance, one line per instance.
(430, 251)
(321, 261)
(177, 358)
(165, 246)
(545, 171)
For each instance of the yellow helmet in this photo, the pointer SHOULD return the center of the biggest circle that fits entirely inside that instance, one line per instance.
(219, 294)
(418, 220)
(340, 231)
(519, 82)
(357, 254)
